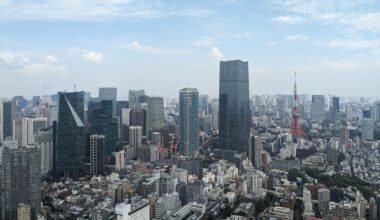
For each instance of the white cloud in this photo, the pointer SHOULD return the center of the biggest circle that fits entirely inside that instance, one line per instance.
(31, 63)
(272, 43)
(237, 35)
(297, 38)
(354, 43)
(287, 19)
(136, 46)
(258, 70)
(356, 14)
(93, 10)
(217, 53)
(204, 42)
(51, 59)
(348, 64)
(364, 22)
(7, 57)
(93, 56)
(40, 68)
(88, 55)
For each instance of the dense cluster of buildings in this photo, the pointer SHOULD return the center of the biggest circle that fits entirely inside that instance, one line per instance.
(74, 156)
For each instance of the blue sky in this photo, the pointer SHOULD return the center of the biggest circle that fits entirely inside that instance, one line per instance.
(163, 46)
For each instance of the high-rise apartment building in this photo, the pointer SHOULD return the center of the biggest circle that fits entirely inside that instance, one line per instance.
(234, 106)
(188, 121)
(254, 153)
(20, 180)
(44, 141)
(367, 129)
(323, 200)
(135, 138)
(97, 154)
(71, 135)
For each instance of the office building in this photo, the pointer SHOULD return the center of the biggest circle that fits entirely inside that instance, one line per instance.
(134, 97)
(155, 114)
(372, 209)
(104, 123)
(23, 212)
(318, 107)
(26, 128)
(71, 136)
(135, 138)
(134, 210)
(188, 121)
(334, 105)
(203, 105)
(323, 200)
(137, 117)
(20, 180)
(344, 136)
(254, 152)
(280, 108)
(167, 183)
(120, 160)
(125, 120)
(109, 94)
(97, 154)
(44, 141)
(367, 129)
(166, 203)
(6, 119)
(214, 110)
(234, 106)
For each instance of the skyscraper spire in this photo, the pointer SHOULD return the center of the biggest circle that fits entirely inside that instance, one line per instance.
(296, 125)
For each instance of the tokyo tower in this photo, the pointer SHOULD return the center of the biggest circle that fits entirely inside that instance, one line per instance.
(296, 125)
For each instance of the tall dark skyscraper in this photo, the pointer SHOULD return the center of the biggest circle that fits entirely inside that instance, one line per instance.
(8, 115)
(20, 180)
(102, 122)
(137, 117)
(188, 121)
(71, 135)
(335, 104)
(109, 94)
(234, 112)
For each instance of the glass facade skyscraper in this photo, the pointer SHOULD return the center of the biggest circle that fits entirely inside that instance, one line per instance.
(188, 121)
(71, 136)
(102, 122)
(155, 114)
(7, 119)
(234, 111)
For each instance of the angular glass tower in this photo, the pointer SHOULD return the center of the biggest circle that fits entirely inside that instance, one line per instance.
(71, 136)
(188, 121)
(234, 111)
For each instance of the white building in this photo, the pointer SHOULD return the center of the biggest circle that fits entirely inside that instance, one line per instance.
(136, 211)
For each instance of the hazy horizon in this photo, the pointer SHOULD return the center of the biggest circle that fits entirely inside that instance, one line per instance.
(162, 47)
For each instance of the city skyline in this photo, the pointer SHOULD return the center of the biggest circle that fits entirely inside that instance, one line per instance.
(333, 46)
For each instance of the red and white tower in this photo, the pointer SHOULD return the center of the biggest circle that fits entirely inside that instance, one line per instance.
(296, 125)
